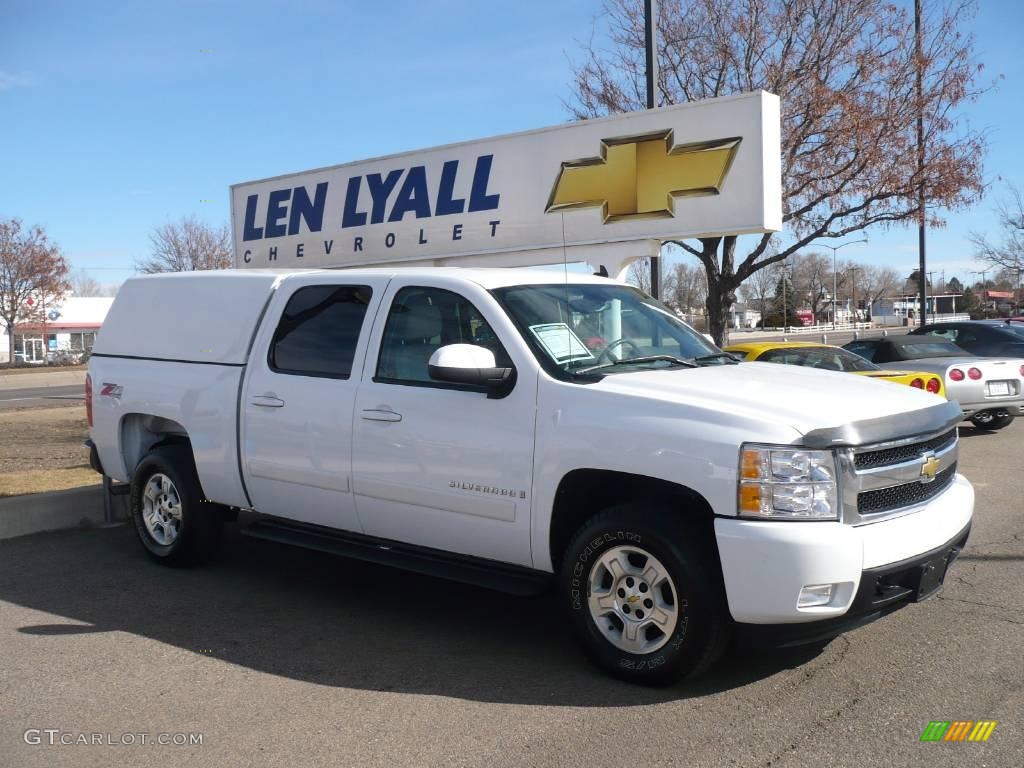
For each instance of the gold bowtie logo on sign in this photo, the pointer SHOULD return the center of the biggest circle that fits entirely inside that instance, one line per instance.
(639, 177)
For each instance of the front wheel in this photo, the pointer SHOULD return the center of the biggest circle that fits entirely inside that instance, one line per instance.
(992, 420)
(644, 594)
(175, 524)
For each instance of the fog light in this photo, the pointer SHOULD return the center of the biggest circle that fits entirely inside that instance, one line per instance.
(815, 594)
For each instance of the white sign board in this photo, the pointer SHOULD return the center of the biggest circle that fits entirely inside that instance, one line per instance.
(699, 169)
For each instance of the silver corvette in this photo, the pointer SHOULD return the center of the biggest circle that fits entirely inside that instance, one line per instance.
(989, 390)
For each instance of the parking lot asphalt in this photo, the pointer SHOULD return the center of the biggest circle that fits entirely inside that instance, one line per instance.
(286, 657)
(39, 395)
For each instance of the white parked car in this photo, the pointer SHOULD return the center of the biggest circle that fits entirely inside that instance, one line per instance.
(506, 428)
(989, 391)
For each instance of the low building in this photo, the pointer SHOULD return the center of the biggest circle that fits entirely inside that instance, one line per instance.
(743, 316)
(67, 328)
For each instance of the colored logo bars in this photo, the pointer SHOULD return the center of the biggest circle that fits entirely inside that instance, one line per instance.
(958, 730)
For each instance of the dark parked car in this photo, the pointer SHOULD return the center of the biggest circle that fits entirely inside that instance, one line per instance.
(984, 338)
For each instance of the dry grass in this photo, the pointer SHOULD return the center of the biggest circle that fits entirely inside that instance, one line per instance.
(6, 370)
(42, 450)
(38, 481)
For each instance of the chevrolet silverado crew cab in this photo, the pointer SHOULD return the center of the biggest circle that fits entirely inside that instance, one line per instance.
(511, 428)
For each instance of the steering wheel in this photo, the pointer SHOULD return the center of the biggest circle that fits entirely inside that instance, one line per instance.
(605, 353)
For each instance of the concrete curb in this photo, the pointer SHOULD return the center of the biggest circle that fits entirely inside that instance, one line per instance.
(57, 510)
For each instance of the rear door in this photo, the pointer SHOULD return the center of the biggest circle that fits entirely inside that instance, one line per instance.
(298, 398)
(442, 465)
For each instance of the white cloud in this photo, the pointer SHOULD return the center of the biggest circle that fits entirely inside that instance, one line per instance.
(10, 80)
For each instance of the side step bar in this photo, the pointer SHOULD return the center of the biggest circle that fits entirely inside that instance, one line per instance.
(482, 573)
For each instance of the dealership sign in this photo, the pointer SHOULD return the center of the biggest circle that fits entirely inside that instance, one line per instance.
(700, 169)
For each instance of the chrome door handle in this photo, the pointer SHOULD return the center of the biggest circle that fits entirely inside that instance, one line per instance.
(381, 414)
(267, 401)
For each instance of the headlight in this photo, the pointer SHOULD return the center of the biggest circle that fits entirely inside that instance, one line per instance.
(779, 483)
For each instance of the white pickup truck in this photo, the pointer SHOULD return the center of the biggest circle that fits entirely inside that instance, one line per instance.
(504, 426)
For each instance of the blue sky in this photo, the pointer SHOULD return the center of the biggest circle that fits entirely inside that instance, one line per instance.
(114, 119)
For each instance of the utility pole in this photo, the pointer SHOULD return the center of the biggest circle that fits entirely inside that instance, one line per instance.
(785, 312)
(921, 286)
(853, 291)
(933, 293)
(984, 286)
(651, 48)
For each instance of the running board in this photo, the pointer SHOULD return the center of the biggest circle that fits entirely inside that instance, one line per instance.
(431, 562)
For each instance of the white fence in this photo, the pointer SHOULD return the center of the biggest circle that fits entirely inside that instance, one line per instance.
(797, 330)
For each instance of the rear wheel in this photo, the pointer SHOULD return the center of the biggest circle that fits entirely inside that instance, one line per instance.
(644, 594)
(992, 420)
(175, 524)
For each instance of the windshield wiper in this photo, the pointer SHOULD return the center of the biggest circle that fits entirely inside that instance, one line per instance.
(635, 360)
(715, 356)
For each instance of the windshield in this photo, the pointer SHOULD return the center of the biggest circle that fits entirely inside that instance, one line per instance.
(922, 349)
(1015, 328)
(583, 326)
(823, 358)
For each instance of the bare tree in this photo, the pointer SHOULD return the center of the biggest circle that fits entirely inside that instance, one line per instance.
(876, 283)
(84, 284)
(187, 245)
(1007, 253)
(845, 71)
(33, 274)
(759, 288)
(812, 278)
(688, 288)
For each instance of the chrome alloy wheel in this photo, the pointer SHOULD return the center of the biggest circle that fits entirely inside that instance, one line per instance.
(632, 600)
(161, 509)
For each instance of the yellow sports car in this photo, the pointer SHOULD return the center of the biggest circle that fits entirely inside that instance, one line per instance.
(829, 358)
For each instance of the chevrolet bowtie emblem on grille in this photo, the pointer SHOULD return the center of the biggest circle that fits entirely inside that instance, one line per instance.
(640, 176)
(929, 469)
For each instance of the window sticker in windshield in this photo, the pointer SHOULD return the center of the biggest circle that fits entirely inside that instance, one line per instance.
(559, 340)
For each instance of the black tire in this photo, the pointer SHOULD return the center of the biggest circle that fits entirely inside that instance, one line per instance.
(201, 525)
(689, 554)
(991, 423)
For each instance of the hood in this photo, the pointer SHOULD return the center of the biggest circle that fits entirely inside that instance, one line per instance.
(802, 398)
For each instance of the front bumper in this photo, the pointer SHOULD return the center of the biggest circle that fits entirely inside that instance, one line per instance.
(765, 564)
(882, 591)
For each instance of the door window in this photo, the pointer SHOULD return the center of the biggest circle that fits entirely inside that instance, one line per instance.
(319, 330)
(422, 320)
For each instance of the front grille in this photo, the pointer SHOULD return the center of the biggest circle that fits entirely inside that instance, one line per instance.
(886, 456)
(908, 494)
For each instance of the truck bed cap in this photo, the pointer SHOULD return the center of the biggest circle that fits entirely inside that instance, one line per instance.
(202, 317)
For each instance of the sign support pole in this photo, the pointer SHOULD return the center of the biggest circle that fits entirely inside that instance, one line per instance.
(650, 44)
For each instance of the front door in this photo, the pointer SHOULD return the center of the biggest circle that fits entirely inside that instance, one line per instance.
(436, 464)
(298, 399)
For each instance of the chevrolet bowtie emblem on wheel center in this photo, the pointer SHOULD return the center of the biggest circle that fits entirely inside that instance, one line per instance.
(929, 469)
(640, 176)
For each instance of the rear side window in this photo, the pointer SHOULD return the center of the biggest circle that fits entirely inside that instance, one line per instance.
(319, 330)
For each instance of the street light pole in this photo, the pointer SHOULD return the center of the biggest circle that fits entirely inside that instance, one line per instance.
(835, 249)
(650, 48)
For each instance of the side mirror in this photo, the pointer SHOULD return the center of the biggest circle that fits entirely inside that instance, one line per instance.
(472, 365)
